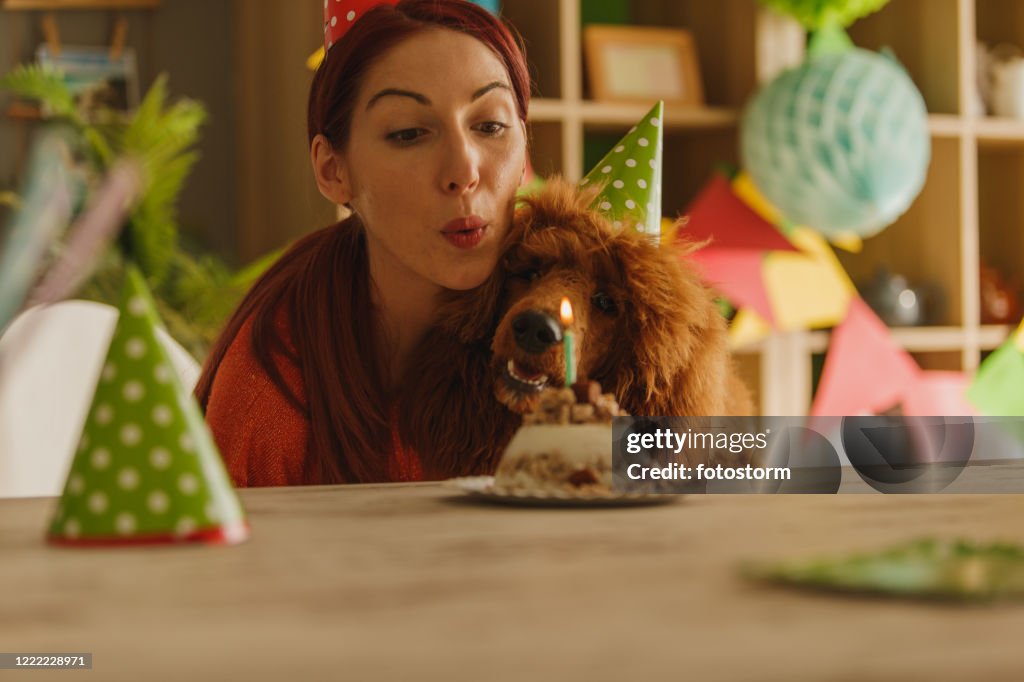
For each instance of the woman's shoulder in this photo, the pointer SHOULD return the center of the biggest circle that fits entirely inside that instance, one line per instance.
(261, 430)
(241, 367)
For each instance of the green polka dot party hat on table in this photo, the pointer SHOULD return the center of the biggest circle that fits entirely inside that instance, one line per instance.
(146, 469)
(630, 176)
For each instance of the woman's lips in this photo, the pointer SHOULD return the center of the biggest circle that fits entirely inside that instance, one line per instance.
(465, 233)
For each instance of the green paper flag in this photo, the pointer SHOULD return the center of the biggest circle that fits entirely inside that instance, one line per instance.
(631, 174)
(996, 390)
(146, 469)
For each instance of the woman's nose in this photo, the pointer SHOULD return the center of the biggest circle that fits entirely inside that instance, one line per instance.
(461, 169)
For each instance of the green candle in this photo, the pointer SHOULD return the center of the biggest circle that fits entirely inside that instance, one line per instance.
(568, 342)
(570, 360)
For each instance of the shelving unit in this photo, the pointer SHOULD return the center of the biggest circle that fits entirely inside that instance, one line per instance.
(971, 205)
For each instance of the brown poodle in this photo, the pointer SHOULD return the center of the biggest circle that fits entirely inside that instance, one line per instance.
(645, 327)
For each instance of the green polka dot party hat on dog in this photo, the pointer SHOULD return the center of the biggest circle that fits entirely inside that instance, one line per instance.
(630, 176)
(146, 469)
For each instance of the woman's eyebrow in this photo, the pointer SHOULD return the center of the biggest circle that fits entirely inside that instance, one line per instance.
(424, 100)
(487, 88)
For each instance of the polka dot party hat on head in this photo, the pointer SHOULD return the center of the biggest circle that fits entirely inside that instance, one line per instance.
(146, 469)
(631, 175)
(341, 15)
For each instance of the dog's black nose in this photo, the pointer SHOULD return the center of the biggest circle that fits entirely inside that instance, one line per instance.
(535, 331)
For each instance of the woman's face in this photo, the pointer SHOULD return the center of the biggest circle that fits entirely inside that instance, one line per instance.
(434, 158)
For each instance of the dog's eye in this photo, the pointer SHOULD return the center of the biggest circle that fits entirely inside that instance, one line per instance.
(604, 303)
(527, 274)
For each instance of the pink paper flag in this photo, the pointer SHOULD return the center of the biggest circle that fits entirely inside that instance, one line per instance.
(939, 394)
(865, 371)
(718, 214)
(738, 275)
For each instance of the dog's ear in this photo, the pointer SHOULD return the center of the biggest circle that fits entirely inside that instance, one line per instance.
(674, 359)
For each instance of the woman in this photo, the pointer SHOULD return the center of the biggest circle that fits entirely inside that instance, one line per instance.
(417, 124)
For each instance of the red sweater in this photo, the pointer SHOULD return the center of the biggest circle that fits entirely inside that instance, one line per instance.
(263, 438)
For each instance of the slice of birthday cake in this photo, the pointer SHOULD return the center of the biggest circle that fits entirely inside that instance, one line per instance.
(564, 447)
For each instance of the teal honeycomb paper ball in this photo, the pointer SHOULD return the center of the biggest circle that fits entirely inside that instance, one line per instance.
(839, 143)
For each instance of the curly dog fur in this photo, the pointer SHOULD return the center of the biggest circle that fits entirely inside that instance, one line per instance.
(645, 327)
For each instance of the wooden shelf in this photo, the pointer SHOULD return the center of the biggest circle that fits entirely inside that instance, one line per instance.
(992, 131)
(544, 109)
(601, 114)
(945, 125)
(612, 116)
(991, 336)
(913, 339)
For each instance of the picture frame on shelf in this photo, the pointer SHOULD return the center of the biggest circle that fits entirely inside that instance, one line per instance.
(96, 78)
(639, 64)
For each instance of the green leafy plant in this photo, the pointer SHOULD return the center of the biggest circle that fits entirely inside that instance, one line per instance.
(817, 14)
(194, 293)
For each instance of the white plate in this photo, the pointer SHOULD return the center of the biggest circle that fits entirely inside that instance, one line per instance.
(482, 488)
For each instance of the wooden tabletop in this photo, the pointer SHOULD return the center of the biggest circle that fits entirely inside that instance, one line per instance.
(417, 582)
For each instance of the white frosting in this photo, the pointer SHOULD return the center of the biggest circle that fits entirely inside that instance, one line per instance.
(580, 444)
(541, 458)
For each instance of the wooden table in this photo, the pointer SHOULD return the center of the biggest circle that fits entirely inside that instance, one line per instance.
(414, 582)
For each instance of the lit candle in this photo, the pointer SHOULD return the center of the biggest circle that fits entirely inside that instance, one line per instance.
(568, 342)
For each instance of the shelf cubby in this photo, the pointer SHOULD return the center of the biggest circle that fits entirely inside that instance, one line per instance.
(546, 139)
(1001, 207)
(691, 159)
(539, 24)
(939, 360)
(1000, 21)
(924, 36)
(922, 245)
(724, 33)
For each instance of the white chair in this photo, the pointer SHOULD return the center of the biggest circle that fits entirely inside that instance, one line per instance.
(50, 361)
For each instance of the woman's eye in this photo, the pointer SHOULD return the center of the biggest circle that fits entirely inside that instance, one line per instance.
(492, 128)
(406, 135)
(604, 303)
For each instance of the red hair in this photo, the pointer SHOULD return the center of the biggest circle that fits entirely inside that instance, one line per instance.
(323, 280)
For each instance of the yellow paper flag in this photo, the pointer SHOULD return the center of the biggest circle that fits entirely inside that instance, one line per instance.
(808, 289)
(747, 327)
(849, 242)
(746, 190)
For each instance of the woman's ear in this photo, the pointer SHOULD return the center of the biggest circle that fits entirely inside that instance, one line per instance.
(330, 171)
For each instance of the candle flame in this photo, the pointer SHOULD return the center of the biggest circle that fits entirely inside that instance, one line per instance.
(566, 311)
